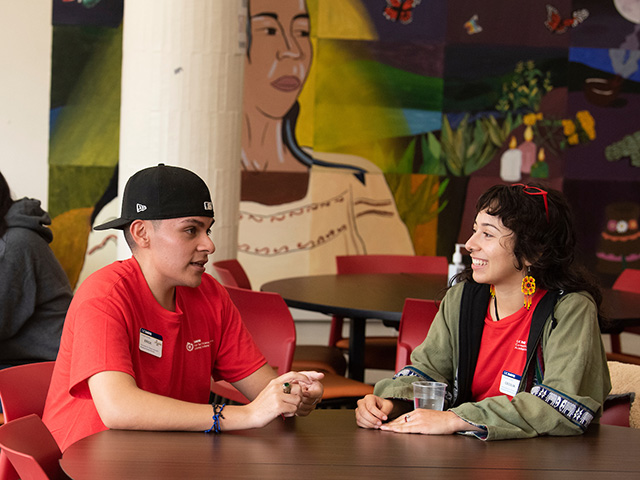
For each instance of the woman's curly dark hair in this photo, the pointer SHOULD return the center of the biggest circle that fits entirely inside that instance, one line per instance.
(548, 243)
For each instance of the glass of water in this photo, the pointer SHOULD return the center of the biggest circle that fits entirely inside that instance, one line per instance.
(429, 395)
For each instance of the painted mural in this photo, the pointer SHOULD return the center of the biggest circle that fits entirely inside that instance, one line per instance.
(303, 205)
(371, 126)
(84, 130)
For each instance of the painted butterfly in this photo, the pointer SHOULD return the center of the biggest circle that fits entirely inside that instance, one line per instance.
(557, 24)
(472, 25)
(401, 10)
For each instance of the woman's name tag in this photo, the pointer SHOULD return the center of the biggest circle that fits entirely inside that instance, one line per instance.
(509, 383)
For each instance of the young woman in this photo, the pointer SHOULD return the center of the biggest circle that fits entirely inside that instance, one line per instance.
(517, 341)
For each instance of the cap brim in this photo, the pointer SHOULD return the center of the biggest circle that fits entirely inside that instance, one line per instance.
(118, 223)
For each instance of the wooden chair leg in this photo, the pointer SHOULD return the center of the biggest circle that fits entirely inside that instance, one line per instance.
(615, 343)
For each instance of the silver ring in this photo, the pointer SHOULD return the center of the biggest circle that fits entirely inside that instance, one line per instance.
(406, 418)
(286, 387)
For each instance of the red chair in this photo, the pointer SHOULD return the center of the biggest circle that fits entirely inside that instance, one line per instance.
(380, 351)
(616, 411)
(306, 357)
(417, 317)
(23, 391)
(627, 281)
(271, 325)
(30, 447)
(273, 332)
(231, 273)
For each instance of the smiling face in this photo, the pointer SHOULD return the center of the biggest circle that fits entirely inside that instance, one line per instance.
(280, 53)
(173, 253)
(491, 248)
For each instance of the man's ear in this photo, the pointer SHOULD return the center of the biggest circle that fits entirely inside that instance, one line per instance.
(139, 230)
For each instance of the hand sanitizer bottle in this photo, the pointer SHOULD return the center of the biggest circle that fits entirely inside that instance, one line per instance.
(457, 266)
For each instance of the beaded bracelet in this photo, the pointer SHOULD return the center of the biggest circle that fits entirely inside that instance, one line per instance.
(217, 415)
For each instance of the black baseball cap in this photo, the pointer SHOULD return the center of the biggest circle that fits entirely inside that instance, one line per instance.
(162, 192)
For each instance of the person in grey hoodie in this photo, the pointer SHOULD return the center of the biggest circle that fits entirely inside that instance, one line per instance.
(34, 290)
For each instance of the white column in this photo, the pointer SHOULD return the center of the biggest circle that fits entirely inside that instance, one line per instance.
(182, 73)
(25, 83)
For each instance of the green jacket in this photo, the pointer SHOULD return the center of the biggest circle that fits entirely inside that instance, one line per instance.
(570, 389)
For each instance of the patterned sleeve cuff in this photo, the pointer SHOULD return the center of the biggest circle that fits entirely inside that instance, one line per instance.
(574, 411)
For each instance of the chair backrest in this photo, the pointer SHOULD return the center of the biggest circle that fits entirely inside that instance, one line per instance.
(625, 385)
(391, 264)
(417, 317)
(628, 281)
(31, 448)
(23, 391)
(271, 325)
(231, 273)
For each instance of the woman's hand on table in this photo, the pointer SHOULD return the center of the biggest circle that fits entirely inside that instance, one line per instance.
(373, 411)
(430, 422)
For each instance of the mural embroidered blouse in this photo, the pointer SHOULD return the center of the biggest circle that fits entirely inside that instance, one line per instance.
(339, 215)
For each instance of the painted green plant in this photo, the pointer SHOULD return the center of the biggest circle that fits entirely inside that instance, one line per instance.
(471, 146)
(419, 206)
(430, 156)
(628, 147)
(432, 163)
(525, 89)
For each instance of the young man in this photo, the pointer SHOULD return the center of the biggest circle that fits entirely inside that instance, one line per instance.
(143, 336)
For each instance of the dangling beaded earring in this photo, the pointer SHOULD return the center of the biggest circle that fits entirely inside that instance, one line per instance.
(528, 288)
(492, 291)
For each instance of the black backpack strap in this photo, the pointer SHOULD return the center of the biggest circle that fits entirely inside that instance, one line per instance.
(473, 309)
(543, 310)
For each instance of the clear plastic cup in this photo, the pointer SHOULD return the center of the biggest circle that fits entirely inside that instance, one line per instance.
(429, 395)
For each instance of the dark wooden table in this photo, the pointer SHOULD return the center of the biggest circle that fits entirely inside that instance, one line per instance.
(381, 296)
(358, 297)
(328, 444)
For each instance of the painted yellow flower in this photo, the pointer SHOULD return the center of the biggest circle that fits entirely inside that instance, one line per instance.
(585, 118)
(569, 127)
(587, 122)
(530, 119)
(573, 139)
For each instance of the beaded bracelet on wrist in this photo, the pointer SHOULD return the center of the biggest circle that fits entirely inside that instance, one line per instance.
(217, 415)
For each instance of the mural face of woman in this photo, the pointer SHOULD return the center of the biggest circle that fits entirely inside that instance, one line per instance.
(279, 57)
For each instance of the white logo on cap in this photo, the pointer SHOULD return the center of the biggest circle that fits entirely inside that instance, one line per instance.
(208, 206)
(140, 207)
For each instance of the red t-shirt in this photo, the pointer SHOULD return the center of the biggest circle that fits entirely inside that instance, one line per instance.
(115, 324)
(503, 353)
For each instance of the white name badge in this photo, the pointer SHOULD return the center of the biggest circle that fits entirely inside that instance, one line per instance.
(509, 383)
(150, 343)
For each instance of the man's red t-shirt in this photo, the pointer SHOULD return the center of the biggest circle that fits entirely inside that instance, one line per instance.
(115, 324)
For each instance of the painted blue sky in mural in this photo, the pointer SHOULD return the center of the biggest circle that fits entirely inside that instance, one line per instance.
(614, 61)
